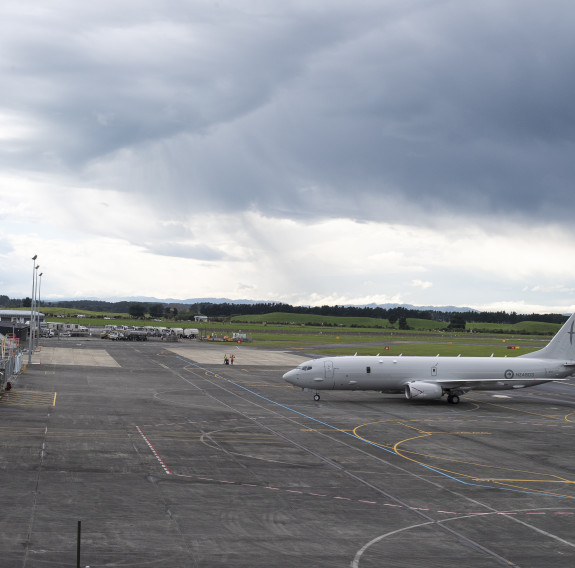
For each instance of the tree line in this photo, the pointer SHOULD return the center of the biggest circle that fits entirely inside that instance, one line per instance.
(228, 309)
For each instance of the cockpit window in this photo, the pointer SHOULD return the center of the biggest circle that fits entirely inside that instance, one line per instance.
(304, 367)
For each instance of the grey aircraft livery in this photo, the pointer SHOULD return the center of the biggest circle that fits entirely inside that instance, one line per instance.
(423, 378)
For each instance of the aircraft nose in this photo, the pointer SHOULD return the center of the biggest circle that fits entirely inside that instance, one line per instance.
(291, 377)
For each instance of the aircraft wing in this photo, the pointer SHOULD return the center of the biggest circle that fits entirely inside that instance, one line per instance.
(477, 383)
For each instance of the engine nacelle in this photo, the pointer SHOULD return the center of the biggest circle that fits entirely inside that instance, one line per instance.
(418, 390)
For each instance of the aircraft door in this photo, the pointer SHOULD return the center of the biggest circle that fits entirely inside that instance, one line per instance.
(329, 380)
(434, 371)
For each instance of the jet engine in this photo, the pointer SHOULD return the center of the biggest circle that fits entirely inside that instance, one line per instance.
(419, 390)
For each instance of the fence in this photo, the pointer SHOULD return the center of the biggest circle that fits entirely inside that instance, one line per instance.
(11, 364)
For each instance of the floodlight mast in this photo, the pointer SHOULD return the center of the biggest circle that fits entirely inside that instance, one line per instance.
(31, 341)
(38, 304)
(36, 338)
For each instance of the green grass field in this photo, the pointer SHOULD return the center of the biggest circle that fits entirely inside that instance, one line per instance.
(284, 318)
(431, 350)
(290, 320)
(333, 335)
(532, 327)
(72, 313)
(420, 325)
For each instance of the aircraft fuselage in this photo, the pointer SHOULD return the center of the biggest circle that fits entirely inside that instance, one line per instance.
(391, 374)
(431, 377)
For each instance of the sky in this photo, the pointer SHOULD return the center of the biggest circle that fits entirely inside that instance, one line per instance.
(317, 152)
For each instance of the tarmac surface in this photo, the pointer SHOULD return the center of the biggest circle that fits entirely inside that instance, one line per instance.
(171, 459)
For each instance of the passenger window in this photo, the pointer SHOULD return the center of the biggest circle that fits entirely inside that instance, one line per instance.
(368, 369)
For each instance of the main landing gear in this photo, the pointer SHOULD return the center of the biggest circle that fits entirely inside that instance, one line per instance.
(453, 399)
(316, 397)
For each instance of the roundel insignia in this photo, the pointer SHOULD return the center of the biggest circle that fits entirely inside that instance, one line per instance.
(509, 374)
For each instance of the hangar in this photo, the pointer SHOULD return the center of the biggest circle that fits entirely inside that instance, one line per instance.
(19, 316)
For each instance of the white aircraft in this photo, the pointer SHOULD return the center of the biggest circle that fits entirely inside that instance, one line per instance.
(423, 378)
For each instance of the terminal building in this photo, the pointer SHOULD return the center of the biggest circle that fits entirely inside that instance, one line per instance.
(18, 322)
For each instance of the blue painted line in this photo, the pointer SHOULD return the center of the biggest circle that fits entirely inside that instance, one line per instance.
(289, 409)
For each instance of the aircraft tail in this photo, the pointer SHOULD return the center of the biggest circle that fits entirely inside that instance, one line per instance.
(562, 346)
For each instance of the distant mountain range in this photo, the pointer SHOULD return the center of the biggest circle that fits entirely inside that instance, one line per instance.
(148, 299)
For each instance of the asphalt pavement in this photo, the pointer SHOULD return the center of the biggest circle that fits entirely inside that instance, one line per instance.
(169, 458)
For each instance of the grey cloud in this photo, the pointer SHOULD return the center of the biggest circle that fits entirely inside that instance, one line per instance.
(103, 81)
(354, 110)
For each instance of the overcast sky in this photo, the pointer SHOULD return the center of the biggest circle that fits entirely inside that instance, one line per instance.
(309, 152)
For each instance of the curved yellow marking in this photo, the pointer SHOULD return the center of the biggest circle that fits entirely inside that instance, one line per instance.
(552, 416)
(497, 481)
(475, 478)
(507, 482)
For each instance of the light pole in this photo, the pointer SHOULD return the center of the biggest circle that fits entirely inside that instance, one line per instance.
(36, 309)
(35, 314)
(31, 342)
(38, 305)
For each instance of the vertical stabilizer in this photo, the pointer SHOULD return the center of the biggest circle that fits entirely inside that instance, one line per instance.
(562, 346)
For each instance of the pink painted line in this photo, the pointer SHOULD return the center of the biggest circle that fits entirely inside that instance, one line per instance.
(154, 451)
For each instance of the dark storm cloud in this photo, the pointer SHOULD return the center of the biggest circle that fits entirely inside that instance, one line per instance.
(104, 78)
(462, 106)
(340, 109)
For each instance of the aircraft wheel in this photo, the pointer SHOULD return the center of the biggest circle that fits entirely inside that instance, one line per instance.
(453, 399)
(316, 397)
